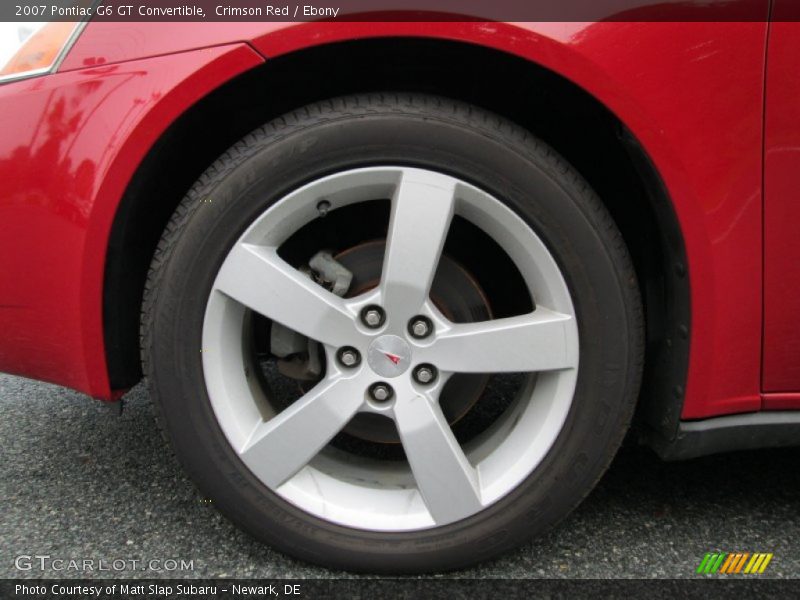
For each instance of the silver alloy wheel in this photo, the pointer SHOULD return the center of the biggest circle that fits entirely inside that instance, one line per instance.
(442, 482)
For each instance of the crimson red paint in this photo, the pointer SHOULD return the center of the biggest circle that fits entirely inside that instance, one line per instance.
(691, 93)
(70, 143)
(782, 214)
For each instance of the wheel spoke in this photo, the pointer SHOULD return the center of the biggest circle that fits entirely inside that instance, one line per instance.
(445, 478)
(543, 340)
(422, 209)
(258, 278)
(280, 447)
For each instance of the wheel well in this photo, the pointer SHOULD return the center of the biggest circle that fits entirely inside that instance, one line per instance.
(578, 126)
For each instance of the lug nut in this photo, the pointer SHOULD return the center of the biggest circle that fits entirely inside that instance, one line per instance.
(425, 374)
(420, 327)
(380, 392)
(348, 357)
(373, 316)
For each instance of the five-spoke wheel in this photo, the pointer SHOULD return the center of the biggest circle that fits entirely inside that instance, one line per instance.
(411, 350)
(393, 333)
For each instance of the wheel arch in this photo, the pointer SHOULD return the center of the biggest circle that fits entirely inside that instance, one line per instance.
(560, 112)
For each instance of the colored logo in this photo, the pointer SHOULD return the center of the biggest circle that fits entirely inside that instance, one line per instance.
(732, 563)
(389, 356)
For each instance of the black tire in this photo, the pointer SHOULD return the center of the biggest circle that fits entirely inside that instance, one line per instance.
(434, 133)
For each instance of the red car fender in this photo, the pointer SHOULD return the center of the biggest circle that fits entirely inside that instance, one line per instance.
(691, 93)
(205, 70)
(93, 127)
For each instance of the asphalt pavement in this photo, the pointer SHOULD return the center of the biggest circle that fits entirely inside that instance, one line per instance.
(79, 481)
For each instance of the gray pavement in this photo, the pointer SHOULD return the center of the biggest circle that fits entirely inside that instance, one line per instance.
(78, 481)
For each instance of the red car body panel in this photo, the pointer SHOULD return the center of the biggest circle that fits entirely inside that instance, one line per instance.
(781, 217)
(691, 93)
(71, 142)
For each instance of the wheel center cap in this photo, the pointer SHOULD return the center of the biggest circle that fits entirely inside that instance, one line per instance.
(389, 356)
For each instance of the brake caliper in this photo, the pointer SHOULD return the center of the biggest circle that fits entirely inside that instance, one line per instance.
(299, 356)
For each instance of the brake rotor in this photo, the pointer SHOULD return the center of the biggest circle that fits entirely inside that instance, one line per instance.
(458, 296)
